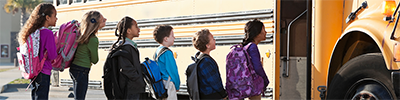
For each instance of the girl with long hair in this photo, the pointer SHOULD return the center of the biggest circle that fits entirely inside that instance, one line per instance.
(43, 16)
(86, 53)
(254, 34)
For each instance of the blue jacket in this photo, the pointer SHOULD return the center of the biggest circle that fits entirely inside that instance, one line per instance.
(168, 67)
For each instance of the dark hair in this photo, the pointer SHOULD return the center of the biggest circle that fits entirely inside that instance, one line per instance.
(122, 26)
(252, 29)
(160, 32)
(200, 39)
(36, 20)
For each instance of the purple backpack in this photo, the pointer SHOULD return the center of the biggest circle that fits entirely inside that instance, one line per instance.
(241, 79)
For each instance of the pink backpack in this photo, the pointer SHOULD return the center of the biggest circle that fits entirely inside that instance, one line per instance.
(66, 44)
(241, 79)
(28, 56)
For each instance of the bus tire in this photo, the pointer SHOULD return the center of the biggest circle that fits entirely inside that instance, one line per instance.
(363, 77)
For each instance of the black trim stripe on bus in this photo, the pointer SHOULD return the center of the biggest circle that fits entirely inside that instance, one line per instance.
(229, 17)
(183, 42)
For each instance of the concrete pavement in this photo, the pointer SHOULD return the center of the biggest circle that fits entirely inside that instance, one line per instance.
(8, 76)
(18, 92)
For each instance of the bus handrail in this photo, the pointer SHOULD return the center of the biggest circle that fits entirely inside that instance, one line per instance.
(286, 71)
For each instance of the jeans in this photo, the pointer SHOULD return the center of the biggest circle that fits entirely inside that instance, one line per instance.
(41, 87)
(79, 76)
(133, 97)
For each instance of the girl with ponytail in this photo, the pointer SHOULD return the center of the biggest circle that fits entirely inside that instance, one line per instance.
(86, 53)
(254, 34)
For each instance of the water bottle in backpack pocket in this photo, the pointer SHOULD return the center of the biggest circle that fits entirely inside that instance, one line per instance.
(241, 79)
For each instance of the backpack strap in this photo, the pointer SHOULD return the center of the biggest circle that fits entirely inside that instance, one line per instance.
(247, 46)
(162, 51)
(41, 60)
(201, 57)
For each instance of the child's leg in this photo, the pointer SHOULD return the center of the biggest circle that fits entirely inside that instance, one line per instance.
(79, 75)
(171, 90)
(41, 87)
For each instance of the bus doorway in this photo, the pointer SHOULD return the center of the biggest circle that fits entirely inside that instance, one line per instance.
(293, 49)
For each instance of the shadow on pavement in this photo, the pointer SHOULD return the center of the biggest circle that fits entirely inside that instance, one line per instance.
(15, 88)
(3, 98)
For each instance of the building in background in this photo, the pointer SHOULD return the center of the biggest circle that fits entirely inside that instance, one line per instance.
(9, 28)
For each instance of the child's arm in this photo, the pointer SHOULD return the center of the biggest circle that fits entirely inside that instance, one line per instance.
(256, 61)
(128, 69)
(50, 44)
(172, 68)
(93, 46)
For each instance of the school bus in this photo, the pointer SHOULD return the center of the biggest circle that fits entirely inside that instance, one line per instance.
(336, 49)
(224, 18)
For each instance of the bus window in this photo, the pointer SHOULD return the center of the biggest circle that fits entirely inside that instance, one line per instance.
(77, 1)
(63, 2)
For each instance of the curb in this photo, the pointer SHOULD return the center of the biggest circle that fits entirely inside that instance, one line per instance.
(2, 88)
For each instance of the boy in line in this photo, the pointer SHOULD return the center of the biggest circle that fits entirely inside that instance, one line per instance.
(164, 35)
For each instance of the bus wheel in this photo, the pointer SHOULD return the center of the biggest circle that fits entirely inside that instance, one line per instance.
(363, 77)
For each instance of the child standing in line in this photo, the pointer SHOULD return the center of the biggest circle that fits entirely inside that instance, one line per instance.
(164, 35)
(255, 33)
(209, 78)
(131, 71)
(86, 53)
(43, 16)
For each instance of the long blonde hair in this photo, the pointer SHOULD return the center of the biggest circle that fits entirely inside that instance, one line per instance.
(36, 20)
(89, 26)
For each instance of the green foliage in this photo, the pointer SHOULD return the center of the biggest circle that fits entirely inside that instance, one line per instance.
(13, 6)
(20, 81)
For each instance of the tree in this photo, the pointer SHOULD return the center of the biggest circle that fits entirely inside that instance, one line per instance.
(25, 6)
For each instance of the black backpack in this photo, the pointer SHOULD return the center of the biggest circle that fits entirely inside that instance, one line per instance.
(111, 74)
(191, 75)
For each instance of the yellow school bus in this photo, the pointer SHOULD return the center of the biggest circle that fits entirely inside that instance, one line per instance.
(224, 18)
(336, 49)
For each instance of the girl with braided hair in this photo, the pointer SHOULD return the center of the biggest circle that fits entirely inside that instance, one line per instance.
(130, 74)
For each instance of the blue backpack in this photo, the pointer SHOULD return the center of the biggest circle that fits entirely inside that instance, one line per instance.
(152, 76)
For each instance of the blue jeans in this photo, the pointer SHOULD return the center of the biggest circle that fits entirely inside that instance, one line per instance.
(79, 76)
(40, 87)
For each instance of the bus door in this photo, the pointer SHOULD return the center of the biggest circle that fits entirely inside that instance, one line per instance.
(293, 52)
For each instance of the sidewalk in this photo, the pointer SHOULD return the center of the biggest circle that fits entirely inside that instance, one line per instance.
(18, 92)
(8, 76)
